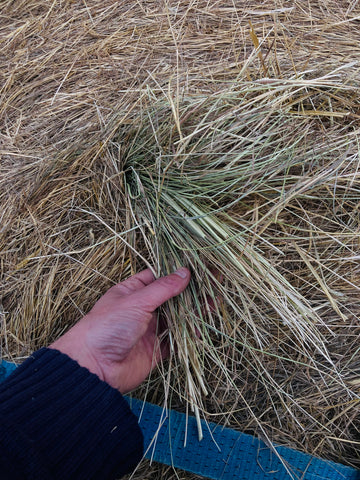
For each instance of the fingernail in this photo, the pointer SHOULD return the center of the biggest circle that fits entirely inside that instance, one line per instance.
(182, 272)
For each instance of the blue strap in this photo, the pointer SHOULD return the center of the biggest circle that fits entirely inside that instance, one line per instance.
(223, 454)
(6, 368)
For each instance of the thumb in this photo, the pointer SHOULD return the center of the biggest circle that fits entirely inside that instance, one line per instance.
(152, 296)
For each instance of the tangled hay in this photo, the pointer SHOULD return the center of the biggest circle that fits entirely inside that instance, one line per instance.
(223, 137)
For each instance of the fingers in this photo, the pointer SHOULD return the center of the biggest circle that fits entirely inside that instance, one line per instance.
(159, 291)
(146, 276)
(136, 282)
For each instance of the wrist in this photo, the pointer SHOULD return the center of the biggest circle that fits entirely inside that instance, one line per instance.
(76, 349)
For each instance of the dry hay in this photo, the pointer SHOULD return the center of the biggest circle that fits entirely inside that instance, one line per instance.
(221, 135)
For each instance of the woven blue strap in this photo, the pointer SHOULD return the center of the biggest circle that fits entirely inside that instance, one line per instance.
(223, 454)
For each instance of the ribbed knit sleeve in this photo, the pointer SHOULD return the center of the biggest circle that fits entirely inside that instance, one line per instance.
(59, 421)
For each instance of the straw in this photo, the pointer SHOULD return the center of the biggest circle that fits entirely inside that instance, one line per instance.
(220, 136)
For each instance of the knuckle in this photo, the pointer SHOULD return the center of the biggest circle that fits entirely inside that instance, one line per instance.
(134, 283)
(128, 286)
(121, 289)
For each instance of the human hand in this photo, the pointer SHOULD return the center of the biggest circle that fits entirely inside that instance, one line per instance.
(118, 339)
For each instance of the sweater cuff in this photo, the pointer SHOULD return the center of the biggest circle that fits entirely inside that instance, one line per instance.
(80, 426)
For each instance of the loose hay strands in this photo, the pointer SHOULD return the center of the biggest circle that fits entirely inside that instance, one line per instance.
(222, 137)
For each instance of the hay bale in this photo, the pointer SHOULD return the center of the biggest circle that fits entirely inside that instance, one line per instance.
(220, 137)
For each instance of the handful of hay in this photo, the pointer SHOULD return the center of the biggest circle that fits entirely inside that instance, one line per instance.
(247, 174)
(240, 188)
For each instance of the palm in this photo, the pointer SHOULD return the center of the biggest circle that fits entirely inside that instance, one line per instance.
(130, 354)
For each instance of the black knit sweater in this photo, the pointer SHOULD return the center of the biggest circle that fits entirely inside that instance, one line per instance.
(59, 421)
